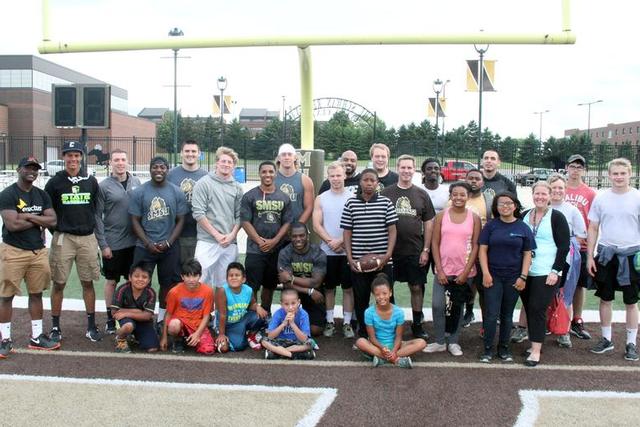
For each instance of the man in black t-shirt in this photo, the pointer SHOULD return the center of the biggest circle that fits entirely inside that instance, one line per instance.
(26, 212)
(380, 155)
(494, 181)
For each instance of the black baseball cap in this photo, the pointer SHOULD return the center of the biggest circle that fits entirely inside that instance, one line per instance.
(29, 161)
(72, 146)
(576, 158)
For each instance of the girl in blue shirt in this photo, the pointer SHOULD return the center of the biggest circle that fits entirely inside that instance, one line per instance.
(385, 323)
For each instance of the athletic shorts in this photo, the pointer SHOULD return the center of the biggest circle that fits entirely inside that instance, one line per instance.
(67, 248)
(206, 345)
(17, 264)
(607, 283)
(145, 333)
(584, 280)
(338, 272)
(214, 260)
(317, 312)
(262, 270)
(408, 269)
(119, 264)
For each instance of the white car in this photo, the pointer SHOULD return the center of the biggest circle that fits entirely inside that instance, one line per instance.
(52, 167)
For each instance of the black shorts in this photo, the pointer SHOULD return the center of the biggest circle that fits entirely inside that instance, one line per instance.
(584, 280)
(118, 265)
(262, 270)
(317, 312)
(145, 333)
(607, 283)
(338, 272)
(408, 269)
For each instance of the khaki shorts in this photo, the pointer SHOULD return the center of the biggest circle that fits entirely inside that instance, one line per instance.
(66, 248)
(17, 264)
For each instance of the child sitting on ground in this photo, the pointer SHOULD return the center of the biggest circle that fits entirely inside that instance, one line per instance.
(132, 306)
(239, 316)
(385, 323)
(289, 330)
(189, 306)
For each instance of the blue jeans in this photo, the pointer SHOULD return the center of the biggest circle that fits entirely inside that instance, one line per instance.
(499, 302)
(237, 332)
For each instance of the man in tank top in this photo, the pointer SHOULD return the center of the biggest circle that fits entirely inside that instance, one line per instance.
(294, 184)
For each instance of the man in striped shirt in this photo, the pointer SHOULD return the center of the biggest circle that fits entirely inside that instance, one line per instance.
(369, 224)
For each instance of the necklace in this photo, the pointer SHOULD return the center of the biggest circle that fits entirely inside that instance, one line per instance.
(536, 222)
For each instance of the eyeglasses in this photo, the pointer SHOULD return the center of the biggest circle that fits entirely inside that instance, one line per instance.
(577, 167)
(505, 204)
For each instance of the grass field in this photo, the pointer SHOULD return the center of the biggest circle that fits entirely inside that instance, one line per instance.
(401, 291)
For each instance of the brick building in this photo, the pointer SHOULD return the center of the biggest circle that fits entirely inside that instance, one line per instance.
(613, 133)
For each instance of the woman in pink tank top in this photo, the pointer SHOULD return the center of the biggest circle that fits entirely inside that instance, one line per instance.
(455, 248)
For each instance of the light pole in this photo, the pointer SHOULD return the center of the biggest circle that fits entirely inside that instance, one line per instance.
(222, 85)
(175, 33)
(541, 113)
(481, 52)
(437, 88)
(589, 104)
(284, 119)
(444, 87)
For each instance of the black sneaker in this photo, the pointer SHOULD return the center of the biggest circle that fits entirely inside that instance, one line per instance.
(631, 352)
(43, 342)
(505, 354)
(577, 329)
(6, 348)
(304, 355)
(418, 331)
(56, 334)
(486, 356)
(270, 355)
(468, 319)
(177, 345)
(603, 346)
(110, 327)
(93, 334)
(519, 335)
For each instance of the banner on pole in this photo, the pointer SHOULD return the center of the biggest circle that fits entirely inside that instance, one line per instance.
(489, 67)
(216, 104)
(431, 108)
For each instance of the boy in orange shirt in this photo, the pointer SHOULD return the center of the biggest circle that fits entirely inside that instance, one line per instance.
(189, 305)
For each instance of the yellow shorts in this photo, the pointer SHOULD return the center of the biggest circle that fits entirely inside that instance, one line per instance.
(17, 264)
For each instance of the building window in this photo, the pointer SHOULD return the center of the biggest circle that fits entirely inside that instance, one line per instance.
(622, 131)
(610, 134)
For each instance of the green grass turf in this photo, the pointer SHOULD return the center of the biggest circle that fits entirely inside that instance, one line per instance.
(401, 292)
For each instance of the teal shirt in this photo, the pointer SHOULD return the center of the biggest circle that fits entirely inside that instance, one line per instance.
(237, 304)
(385, 328)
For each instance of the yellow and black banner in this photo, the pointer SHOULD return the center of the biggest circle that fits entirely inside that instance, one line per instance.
(431, 108)
(488, 79)
(216, 105)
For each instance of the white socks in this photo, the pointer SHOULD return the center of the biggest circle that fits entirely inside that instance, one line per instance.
(5, 330)
(330, 316)
(347, 317)
(632, 336)
(606, 332)
(36, 328)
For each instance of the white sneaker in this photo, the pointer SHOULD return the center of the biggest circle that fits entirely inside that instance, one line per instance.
(434, 347)
(455, 350)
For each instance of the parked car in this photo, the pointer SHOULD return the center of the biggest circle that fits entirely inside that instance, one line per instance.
(52, 167)
(533, 176)
(455, 170)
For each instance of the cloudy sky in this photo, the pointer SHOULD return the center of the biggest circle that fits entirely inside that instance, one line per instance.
(394, 81)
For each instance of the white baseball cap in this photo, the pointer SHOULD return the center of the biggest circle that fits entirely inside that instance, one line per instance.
(286, 148)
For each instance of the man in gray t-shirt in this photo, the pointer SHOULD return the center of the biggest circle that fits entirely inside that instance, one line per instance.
(185, 177)
(157, 212)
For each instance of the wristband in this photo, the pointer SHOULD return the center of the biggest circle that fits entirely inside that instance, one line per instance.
(310, 291)
(168, 244)
(523, 277)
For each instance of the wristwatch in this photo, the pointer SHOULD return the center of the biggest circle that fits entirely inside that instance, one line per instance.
(427, 250)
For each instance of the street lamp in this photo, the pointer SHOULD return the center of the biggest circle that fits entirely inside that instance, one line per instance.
(437, 88)
(481, 52)
(444, 87)
(222, 85)
(175, 33)
(588, 104)
(541, 113)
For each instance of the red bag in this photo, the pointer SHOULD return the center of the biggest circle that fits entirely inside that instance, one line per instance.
(558, 321)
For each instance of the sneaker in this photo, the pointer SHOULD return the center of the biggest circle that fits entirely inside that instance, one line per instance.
(564, 341)
(455, 349)
(519, 334)
(110, 327)
(367, 357)
(603, 346)
(122, 345)
(304, 355)
(270, 355)
(55, 335)
(434, 347)
(177, 345)
(93, 334)
(577, 329)
(6, 348)
(404, 362)
(468, 319)
(418, 331)
(43, 342)
(254, 341)
(631, 352)
(329, 329)
(486, 356)
(377, 361)
(347, 331)
(505, 354)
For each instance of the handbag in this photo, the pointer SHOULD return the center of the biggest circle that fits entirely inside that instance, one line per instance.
(558, 320)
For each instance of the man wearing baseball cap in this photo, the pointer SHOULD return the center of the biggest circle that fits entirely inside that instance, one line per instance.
(294, 184)
(26, 211)
(74, 195)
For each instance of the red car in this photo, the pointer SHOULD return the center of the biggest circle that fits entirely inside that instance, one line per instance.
(455, 170)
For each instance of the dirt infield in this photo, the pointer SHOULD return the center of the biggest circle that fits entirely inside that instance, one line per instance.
(440, 390)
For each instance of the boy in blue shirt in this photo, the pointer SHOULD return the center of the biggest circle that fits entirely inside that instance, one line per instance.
(289, 330)
(239, 316)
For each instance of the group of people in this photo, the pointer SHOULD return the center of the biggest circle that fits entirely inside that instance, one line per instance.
(375, 227)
